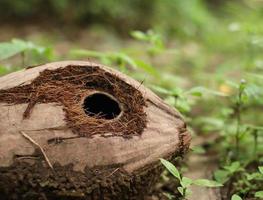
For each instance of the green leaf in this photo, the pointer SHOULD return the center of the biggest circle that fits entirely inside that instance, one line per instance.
(139, 35)
(169, 196)
(259, 194)
(232, 84)
(211, 123)
(161, 90)
(236, 197)
(181, 190)
(234, 167)
(253, 91)
(188, 192)
(186, 182)
(9, 49)
(260, 168)
(259, 76)
(3, 70)
(127, 59)
(198, 149)
(207, 183)
(221, 176)
(146, 67)
(106, 57)
(171, 168)
(200, 91)
(250, 126)
(182, 105)
(16, 46)
(253, 176)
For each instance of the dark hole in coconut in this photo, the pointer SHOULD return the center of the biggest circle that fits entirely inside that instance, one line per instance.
(101, 105)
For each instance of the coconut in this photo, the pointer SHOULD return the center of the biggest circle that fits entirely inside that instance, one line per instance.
(80, 130)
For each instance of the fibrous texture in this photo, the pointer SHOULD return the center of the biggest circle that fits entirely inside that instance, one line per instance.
(70, 86)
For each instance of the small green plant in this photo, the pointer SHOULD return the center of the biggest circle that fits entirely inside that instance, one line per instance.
(236, 197)
(223, 175)
(151, 37)
(259, 194)
(185, 182)
(255, 132)
(18, 46)
(183, 100)
(121, 59)
(241, 98)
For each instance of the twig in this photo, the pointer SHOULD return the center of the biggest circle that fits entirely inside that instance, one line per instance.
(113, 172)
(41, 149)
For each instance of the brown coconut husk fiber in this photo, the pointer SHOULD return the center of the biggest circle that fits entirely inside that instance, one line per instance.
(78, 130)
(69, 87)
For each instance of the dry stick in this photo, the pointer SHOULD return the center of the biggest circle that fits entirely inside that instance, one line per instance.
(113, 172)
(41, 149)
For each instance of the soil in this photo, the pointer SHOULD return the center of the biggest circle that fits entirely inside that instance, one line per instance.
(22, 181)
(37, 181)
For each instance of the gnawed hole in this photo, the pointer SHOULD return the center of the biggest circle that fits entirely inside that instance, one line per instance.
(101, 105)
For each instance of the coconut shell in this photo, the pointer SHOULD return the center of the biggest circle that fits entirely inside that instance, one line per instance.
(80, 130)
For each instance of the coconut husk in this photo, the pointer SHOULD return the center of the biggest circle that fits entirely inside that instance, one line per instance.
(80, 130)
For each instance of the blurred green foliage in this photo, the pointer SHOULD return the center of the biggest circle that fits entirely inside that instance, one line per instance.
(120, 14)
(186, 18)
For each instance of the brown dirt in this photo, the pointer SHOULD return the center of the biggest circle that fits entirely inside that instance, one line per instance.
(22, 181)
(69, 86)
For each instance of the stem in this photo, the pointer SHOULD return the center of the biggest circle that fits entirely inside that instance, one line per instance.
(184, 193)
(238, 118)
(238, 115)
(23, 55)
(255, 134)
(176, 97)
